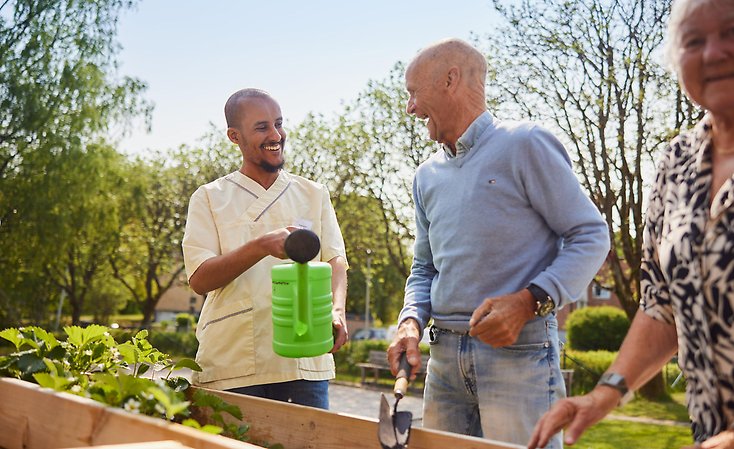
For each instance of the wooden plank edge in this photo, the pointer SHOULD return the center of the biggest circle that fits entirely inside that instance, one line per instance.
(165, 444)
(298, 427)
(33, 417)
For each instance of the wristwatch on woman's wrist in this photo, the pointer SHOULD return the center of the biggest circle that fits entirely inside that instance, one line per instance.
(617, 382)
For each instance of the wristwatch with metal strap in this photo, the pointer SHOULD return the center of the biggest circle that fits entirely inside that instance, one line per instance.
(617, 382)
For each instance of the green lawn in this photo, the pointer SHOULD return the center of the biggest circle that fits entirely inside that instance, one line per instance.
(674, 410)
(612, 434)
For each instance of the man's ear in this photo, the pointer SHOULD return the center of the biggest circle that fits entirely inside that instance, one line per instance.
(453, 77)
(233, 135)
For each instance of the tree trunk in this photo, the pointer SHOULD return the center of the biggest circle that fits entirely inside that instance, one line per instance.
(76, 309)
(148, 314)
(654, 390)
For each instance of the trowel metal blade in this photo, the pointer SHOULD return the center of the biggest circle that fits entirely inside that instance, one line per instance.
(402, 422)
(394, 427)
(385, 429)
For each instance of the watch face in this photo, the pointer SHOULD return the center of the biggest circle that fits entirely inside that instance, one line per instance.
(614, 380)
(546, 307)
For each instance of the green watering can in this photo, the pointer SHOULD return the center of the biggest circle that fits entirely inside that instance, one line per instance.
(302, 299)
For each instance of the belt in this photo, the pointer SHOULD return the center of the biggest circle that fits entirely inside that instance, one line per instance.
(434, 332)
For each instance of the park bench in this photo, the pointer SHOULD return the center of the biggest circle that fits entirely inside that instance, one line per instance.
(377, 362)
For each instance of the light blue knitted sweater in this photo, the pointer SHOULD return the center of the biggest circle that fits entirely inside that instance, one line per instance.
(507, 213)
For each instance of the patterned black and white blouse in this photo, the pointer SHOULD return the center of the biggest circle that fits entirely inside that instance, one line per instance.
(688, 275)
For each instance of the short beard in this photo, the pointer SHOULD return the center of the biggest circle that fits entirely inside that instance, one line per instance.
(270, 168)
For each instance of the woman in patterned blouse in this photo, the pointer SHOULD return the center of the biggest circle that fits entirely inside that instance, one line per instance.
(687, 282)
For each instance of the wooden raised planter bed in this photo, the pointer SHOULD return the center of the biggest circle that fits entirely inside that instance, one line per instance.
(32, 417)
(35, 418)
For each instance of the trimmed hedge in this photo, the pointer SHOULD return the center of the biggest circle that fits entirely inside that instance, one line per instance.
(596, 328)
(588, 366)
(181, 344)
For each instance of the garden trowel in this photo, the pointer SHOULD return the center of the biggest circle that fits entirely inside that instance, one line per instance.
(394, 426)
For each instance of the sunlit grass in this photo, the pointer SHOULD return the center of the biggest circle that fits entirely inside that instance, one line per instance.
(133, 317)
(674, 410)
(613, 434)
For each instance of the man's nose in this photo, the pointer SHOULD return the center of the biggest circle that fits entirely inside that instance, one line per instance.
(276, 135)
(410, 107)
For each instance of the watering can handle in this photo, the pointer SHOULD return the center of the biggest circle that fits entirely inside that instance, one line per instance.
(302, 245)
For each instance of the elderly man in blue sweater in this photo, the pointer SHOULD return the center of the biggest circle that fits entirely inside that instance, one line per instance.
(505, 236)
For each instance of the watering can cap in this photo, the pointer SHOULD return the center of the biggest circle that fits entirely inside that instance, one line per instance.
(302, 245)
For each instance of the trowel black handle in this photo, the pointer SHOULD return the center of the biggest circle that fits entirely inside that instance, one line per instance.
(302, 245)
(403, 376)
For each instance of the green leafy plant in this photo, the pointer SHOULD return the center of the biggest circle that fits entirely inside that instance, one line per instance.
(90, 363)
(132, 375)
(219, 408)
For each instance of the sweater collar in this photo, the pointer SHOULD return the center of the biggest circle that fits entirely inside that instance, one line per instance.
(471, 135)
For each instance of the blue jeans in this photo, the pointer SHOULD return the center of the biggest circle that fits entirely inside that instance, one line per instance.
(313, 393)
(495, 393)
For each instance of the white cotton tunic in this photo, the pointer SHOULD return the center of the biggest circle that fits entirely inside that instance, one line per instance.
(235, 329)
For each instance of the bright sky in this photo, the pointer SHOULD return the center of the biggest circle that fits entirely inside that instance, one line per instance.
(311, 55)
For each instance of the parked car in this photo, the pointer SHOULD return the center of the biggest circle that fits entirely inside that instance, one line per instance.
(373, 333)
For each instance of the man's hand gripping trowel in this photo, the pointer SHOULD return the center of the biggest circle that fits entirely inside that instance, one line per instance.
(394, 426)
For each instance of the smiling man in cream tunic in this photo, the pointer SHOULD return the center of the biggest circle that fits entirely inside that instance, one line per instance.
(235, 233)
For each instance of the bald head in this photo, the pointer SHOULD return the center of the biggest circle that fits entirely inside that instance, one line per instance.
(233, 108)
(445, 84)
(437, 59)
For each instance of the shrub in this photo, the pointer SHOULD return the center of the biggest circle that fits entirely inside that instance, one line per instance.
(587, 367)
(184, 322)
(596, 328)
(180, 344)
